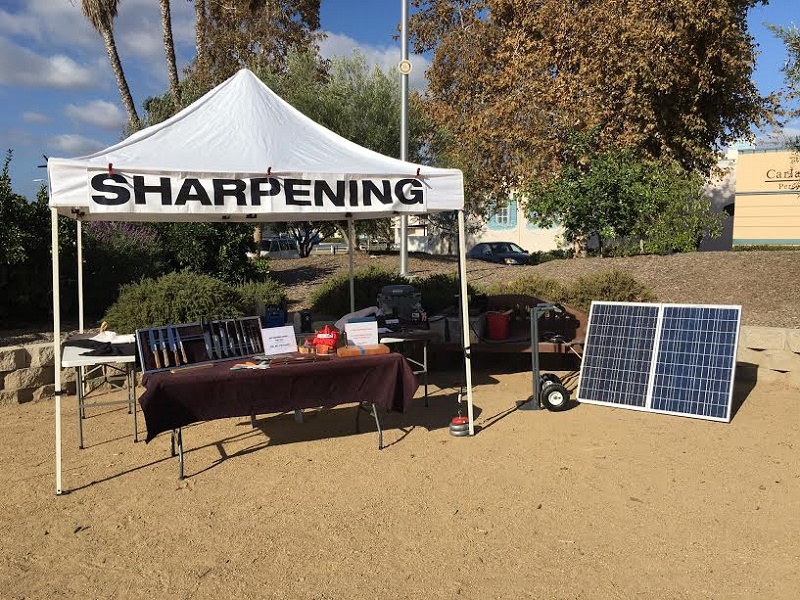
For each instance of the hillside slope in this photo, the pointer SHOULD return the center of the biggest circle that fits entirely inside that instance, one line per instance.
(765, 283)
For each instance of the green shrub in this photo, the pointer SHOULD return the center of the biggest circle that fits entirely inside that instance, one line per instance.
(439, 291)
(543, 288)
(174, 298)
(765, 247)
(609, 285)
(539, 257)
(333, 297)
(269, 292)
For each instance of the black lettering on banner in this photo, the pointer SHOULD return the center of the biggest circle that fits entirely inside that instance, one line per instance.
(256, 193)
(192, 190)
(415, 192)
(121, 193)
(291, 192)
(353, 192)
(163, 189)
(220, 191)
(336, 198)
(384, 195)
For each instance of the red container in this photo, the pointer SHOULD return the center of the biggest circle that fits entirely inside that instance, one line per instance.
(497, 324)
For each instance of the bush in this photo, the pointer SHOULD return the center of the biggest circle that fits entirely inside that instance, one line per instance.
(776, 247)
(609, 285)
(174, 298)
(543, 288)
(269, 293)
(539, 257)
(333, 297)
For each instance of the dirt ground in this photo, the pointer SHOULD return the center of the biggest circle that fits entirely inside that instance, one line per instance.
(589, 503)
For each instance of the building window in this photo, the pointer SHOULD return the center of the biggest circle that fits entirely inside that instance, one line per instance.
(505, 217)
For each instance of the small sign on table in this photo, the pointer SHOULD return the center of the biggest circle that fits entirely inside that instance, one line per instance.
(361, 334)
(279, 340)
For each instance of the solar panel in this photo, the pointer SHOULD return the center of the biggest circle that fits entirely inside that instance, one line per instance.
(665, 358)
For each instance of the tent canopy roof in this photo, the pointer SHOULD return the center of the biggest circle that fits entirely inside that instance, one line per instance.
(242, 152)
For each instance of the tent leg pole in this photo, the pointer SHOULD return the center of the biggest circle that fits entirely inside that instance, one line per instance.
(56, 344)
(79, 233)
(351, 233)
(462, 265)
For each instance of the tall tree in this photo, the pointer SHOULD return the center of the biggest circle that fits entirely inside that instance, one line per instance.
(791, 70)
(200, 25)
(169, 51)
(510, 80)
(101, 14)
(258, 34)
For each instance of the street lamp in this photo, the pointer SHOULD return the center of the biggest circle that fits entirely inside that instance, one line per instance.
(405, 69)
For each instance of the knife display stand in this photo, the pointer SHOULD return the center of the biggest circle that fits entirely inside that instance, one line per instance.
(172, 347)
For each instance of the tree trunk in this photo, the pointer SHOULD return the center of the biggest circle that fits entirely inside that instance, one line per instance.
(122, 83)
(169, 52)
(200, 27)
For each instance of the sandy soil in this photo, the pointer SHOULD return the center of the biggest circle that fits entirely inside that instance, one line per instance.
(589, 503)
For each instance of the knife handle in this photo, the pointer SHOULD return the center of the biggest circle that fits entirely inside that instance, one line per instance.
(158, 361)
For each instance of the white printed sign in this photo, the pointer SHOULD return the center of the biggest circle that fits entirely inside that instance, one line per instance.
(279, 340)
(361, 334)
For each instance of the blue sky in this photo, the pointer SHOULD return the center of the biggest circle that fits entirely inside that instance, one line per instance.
(58, 95)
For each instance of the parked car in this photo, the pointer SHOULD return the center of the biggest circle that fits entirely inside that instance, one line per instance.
(278, 248)
(507, 253)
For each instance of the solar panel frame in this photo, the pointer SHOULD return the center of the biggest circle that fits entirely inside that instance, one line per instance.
(703, 363)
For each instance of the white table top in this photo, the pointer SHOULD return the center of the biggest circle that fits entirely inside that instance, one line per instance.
(72, 356)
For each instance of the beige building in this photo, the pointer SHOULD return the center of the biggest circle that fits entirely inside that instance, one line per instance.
(767, 208)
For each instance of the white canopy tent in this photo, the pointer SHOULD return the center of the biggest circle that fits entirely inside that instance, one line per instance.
(240, 153)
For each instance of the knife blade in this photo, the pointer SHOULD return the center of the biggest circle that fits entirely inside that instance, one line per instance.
(179, 341)
(163, 346)
(223, 338)
(153, 348)
(254, 340)
(235, 346)
(172, 347)
(207, 337)
(237, 325)
(215, 337)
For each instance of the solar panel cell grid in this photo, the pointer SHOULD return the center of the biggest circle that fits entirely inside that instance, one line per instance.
(622, 338)
(666, 358)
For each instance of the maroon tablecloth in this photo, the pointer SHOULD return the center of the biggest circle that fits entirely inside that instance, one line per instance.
(173, 400)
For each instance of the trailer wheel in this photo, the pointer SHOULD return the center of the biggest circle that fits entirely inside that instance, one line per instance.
(555, 397)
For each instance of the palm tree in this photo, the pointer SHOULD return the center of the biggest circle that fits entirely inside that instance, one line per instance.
(169, 52)
(101, 14)
(200, 25)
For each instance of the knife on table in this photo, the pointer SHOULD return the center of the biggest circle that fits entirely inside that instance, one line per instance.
(235, 345)
(153, 347)
(237, 325)
(180, 345)
(253, 339)
(207, 337)
(223, 338)
(163, 345)
(215, 337)
(173, 348)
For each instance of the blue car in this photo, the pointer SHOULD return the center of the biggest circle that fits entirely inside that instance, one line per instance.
(504, 253)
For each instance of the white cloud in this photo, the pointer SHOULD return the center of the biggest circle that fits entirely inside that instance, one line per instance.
(58, 23)
(98, 112)
(74, 144)
(22, 67)
(386, 57)
(35, 117)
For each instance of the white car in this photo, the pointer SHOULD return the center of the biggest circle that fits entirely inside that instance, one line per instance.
(277, 248)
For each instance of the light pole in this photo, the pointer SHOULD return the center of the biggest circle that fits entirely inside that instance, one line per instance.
(405, 69)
